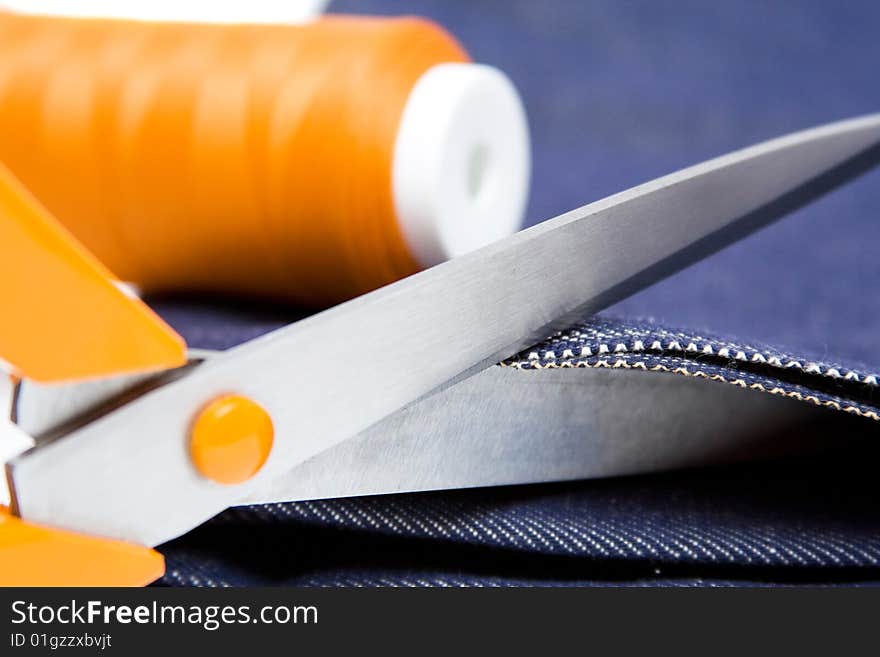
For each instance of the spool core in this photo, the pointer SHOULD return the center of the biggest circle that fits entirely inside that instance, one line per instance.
(461, 165)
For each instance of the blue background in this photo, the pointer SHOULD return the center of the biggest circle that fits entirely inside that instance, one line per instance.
(620, 92)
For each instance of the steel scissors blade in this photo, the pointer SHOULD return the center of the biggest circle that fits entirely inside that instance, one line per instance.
(126, 473)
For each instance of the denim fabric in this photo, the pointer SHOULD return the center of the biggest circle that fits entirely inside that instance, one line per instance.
(618, 93)
(804, 520)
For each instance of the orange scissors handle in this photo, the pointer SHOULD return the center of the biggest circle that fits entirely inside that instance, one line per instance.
(34, 555)
(64, 316)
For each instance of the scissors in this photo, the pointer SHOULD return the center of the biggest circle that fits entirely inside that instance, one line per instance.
(119, 439)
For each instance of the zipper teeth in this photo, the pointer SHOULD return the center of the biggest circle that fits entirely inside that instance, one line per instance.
(694, 348)
(618, 345)
(621, 363)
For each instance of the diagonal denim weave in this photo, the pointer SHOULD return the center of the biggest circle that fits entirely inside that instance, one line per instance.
(807, 520)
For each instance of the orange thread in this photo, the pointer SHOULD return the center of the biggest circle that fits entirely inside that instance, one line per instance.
(219, 158)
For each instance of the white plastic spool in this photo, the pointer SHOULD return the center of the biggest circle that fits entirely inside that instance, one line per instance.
(201, 11)
(462, 162)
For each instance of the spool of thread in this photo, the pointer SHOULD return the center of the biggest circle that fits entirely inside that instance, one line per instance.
(217, 11)
(306, 162)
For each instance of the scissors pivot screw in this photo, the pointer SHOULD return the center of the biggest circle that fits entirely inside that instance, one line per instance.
(231, 439)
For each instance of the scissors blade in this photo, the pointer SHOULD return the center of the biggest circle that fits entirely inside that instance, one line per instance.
(329, 377)
(509, 426)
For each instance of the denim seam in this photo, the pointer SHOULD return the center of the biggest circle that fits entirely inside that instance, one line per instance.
(698, 373)
(606, 343)
(695, 347)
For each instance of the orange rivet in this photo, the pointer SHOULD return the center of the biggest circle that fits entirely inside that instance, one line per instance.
(231, 439)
